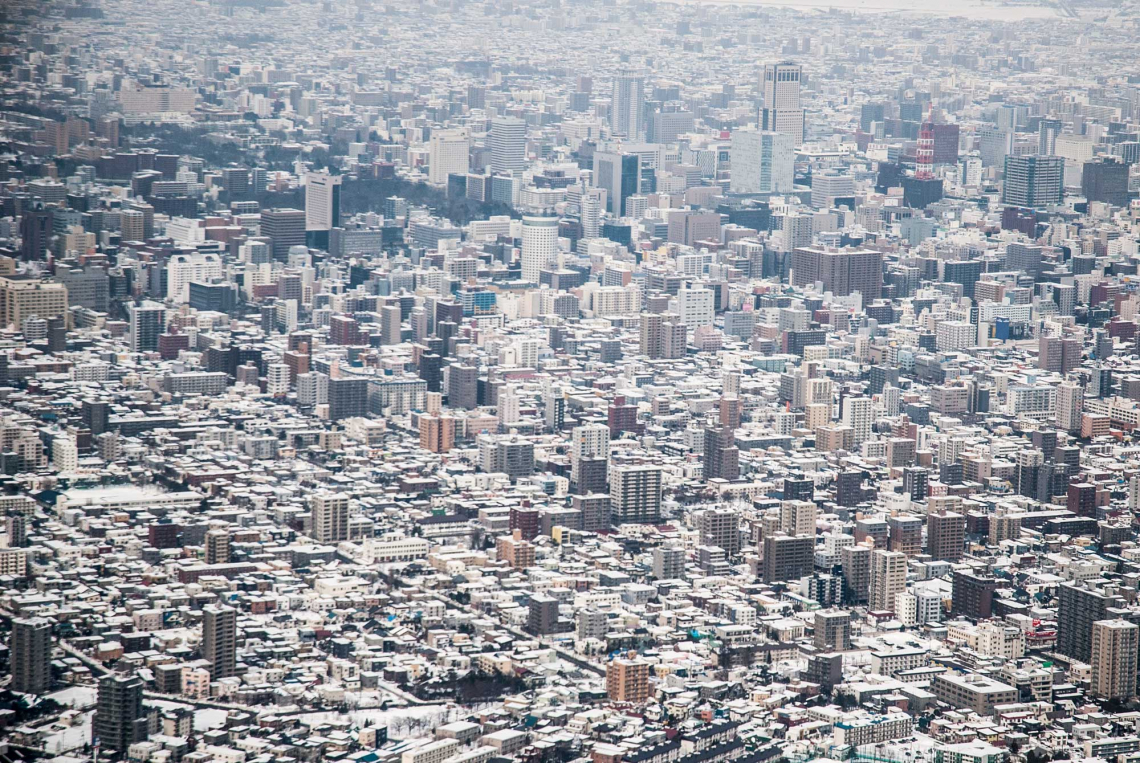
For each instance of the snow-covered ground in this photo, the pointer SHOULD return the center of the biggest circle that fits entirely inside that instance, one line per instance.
(402, 722)
(79, 695)
(205, 718)
(64, 739)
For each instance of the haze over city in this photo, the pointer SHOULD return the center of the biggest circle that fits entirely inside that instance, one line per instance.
(559, 381)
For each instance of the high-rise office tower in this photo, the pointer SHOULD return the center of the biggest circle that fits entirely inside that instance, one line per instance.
(30, 657)
(36, 232)
(119, 718)
(946, 137)
(132, 225)
(620, 174)
(508, 145)
(448, 153)
(539, 246)
(1047, 131)
(1033, 181)
(219, 640)
(390, 321)
(783, 110)
(322, 207)
(1024, 257)
(1114, 646)
(330, 517)
(869, 113)
(1105, 179)
(284, 228)
(627, 110)
(147, 323)
(887, 579)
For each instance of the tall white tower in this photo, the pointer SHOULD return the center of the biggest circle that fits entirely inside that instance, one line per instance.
(783, 110)
(508, 145)
(628, 104)
(539, 245)
(448, 154)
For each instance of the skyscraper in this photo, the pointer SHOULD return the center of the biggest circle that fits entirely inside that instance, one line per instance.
(721, 456)
(588, 441)
(787, 557)
(119, 718)
(590, 207)
(635, 494)
(285, 228)
(720, 528)
(35, 232)
(148, 322)
(627, 680)
(1070, 404)
(1106, 179)
(1047, 131)
(539, 246)
(627, 109)
(508, 145)
(945, 533)
(652, 334)
(322, 207)
(217, 547)
(856, 563)
(762, 162)
(448, 153)
(31, 655)
(842, 271)
(348, 398)
(620, 175)
(888, 579)
(1078, 607)
(783, 110)
(219, 640)
(1033, 181)
(330, 517)
(1114, 645)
